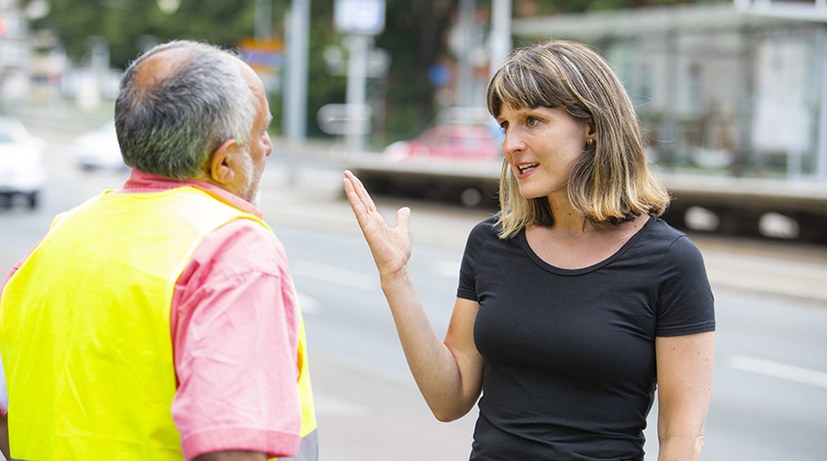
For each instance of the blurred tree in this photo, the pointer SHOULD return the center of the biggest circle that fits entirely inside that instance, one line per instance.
(415, 35)
(128, 25)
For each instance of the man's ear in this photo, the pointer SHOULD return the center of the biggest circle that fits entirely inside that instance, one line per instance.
(221, 168)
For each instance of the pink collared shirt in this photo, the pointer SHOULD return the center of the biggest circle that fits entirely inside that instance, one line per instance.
(234, 327)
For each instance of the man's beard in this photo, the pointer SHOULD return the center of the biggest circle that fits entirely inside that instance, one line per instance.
(253, 177)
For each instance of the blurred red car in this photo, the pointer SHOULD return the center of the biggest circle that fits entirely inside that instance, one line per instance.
(451, 141)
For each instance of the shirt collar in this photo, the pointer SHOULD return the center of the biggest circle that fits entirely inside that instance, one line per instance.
(141, 181)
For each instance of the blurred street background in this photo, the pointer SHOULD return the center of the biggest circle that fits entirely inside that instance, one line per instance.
(732, 96)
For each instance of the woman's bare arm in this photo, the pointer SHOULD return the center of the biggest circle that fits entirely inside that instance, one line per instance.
(685, 365)
(449, 372)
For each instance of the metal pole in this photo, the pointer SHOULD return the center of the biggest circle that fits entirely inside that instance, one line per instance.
(355, 96)
(465, 76)
(821, 153)
(500, 33)
(294, 91)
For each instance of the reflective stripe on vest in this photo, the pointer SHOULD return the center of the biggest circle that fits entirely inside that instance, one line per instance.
(88, 353)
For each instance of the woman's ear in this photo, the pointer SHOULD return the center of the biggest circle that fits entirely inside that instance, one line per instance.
(221, 168)
(591, 131)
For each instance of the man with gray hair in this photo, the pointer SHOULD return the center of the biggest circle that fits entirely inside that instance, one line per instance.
(159, 321)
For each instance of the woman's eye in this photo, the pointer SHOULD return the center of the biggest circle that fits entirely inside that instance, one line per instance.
(531, 121)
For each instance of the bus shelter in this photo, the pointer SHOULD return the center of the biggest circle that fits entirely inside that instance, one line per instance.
(725, 88)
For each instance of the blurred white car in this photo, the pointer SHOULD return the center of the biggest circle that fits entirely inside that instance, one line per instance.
(98, 149)
(22, 170)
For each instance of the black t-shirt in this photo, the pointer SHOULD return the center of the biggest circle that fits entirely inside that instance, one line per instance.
(569, 354)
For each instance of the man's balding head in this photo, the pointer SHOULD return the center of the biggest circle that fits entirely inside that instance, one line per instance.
(178, 102)
(160, 65)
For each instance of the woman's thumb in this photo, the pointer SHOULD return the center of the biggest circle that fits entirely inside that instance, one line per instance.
(403, 215)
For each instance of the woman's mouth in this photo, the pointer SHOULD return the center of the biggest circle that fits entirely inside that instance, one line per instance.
(525, 168)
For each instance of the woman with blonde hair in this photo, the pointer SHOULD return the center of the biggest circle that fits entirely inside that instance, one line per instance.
(576, 302)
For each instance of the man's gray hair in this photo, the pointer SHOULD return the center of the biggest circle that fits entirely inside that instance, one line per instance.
(171, 126)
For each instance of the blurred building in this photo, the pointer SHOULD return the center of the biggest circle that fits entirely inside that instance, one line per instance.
(15, 51)
(716, 88)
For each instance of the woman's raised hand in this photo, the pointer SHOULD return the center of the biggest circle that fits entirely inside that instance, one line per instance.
(390, 246)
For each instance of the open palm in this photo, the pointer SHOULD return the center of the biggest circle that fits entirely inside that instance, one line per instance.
(390, 246)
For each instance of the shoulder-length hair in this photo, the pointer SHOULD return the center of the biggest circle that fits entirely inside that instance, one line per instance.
(611, 182)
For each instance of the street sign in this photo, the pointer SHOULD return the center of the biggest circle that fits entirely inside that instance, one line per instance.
(336, 119)
(378, 61)
(263, 55)
(359, 16)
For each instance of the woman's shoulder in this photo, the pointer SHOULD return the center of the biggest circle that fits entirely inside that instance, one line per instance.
(659, 228)
(670, 240)
(484, 232)
(488, 226)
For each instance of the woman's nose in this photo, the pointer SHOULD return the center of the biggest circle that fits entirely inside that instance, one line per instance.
(512, 142)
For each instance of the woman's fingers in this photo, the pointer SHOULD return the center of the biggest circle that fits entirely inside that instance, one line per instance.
(365, 209)
(359, 190)
(356, 200)
(369, 219)
(389, 245)
(403, 215)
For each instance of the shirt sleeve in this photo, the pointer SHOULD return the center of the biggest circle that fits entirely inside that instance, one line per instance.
(467, 288)
(685, 301)
(235, 340)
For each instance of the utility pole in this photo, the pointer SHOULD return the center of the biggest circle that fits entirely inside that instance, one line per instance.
(500, 33)
(465, 73)
(361, 20)
(295, 88)
(821, 152)
(358, 46)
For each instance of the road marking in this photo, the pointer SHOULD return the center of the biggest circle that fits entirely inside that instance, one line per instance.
(778, 370)
(327, 273)
(308, 304)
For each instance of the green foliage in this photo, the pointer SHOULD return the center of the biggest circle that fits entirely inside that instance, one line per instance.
(127, 25)
(322, 87)
(415, 36)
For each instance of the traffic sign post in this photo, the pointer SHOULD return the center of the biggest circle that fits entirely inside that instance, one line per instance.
(365, 17)
(361, 19)
(340, 119)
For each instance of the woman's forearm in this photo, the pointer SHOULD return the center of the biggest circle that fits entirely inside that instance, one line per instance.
(433, 365)
(681, 448)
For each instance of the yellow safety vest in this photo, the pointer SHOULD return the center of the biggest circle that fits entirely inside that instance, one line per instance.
(85, 329)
